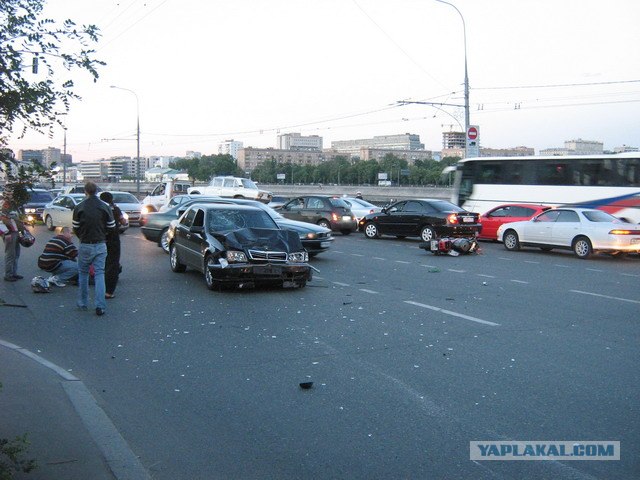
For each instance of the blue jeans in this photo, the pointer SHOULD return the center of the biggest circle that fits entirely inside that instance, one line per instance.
(11, 254)
(67, 270)
(88, 254)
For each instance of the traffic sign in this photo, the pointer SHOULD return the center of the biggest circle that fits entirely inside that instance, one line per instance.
(472, 133)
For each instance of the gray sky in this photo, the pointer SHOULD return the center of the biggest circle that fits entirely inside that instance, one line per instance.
(209, 70)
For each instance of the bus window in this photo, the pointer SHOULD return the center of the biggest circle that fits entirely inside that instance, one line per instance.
(490, 173)
(553, 173)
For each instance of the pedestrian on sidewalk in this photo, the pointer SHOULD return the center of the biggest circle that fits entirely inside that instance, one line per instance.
(59, 259)
(92, 220)
(11, 220)
(112, 269)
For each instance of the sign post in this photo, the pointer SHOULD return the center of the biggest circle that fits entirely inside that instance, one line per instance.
(473, 141)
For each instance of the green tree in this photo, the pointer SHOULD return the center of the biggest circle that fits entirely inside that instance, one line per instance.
(37, 57)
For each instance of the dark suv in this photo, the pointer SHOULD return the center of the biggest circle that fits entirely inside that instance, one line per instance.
(329, 212)
(425, 218)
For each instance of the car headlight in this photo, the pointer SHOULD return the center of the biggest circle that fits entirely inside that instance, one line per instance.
(234, 256)
(146, 209)
(29, 210)
(308, 236)
(125, 216)
(298, 257)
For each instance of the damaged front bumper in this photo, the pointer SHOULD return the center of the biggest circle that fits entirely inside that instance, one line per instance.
(249, 275)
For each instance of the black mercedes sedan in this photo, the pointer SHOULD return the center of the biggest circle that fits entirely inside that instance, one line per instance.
(425, 218)
(237, 246)
(155, 225)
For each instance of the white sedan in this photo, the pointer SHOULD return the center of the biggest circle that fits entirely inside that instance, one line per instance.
(59, 212)
(579, 229)
(360, 207)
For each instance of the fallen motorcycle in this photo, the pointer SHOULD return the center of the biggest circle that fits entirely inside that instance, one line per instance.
(451, 246)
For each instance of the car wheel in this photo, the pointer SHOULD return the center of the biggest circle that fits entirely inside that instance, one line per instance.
(582, 247)
(324, 223)
(546, 249)
(511, 240)
(176, 266)
(371, 230)
(49, 223)
(164, 240)
(345, 232)
(208, 277)
(427, 234)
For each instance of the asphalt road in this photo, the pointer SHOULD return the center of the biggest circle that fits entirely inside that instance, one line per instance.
(412, 357)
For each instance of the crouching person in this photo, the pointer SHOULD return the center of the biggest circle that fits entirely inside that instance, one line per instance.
(59, 259)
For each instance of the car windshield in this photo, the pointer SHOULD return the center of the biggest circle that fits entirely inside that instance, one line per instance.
(338, 202)
(599, 216)
(444, 206)
(124, 198)
(221, 220)
(40, 197)
(246, 183)
(362, 203)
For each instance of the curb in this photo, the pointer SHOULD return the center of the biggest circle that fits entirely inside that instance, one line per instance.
(122, 462)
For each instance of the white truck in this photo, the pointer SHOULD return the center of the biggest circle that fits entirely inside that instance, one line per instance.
(162, 193)
(233, 187)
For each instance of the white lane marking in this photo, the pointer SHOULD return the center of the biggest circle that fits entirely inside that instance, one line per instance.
(630, 275)
(357, 255)
(504, 258)
(428, 266)
(454, 314)
(596, 270)
(561, 266)
(519, 281)
(454, 270)
(379, 258)
(368, 291)
(341, 284)
(531, 261)
(402, 261)
(605, 296)
(486, 276)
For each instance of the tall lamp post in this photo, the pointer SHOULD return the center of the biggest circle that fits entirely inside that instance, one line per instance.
(466, 75)
(137, 136)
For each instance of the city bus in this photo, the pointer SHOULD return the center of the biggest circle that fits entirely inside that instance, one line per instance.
(609, 182)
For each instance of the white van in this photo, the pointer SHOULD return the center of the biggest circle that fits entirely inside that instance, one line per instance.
(233, 187)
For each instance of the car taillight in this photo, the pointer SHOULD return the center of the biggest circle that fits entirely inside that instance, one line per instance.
(624, 232)
(335, 217)
(453, 218)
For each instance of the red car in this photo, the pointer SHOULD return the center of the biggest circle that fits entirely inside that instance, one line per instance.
(513, 212)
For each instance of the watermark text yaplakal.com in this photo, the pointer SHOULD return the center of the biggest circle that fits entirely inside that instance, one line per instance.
(544, 450)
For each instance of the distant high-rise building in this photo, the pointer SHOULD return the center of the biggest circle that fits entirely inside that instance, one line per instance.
(31, 156)
(192, 154)
(407, 141)
(295, 141)
(576, 147)
(230, 147)
(625, 148)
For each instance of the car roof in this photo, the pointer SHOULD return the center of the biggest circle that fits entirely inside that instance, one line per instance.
(224, 206)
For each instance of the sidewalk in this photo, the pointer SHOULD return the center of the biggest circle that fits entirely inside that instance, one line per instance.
(70, 436)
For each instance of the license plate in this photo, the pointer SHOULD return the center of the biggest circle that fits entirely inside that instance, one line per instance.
(434, 245)
(346, 218)
(467, 219)
(324, 244)
(268, 270)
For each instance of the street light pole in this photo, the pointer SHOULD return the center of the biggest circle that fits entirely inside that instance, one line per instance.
(467, 121)
(64, 160)
(137, 136)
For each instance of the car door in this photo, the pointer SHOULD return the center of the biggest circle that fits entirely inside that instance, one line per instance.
(538, 230)
(56, 210)
(315, 209)
(182, 240)
(391, 222)
(565, 228)
(293, 209)
(493, 219)
(414, 215)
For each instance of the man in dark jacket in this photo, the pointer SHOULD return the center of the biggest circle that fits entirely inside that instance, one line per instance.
(92, 220)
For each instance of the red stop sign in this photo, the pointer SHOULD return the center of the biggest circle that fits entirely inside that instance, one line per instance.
(472, 133)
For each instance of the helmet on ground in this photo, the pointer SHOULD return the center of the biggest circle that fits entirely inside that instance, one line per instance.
(26, 239)
(39, 285)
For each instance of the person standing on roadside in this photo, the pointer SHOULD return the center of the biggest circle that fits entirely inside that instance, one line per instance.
(59, 259)
(12, 221)
(112, 269)
(92, 221)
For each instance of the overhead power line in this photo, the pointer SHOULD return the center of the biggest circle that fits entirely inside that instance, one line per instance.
(559, 85)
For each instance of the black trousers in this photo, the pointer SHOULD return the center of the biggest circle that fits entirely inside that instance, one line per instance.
(112, 266)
